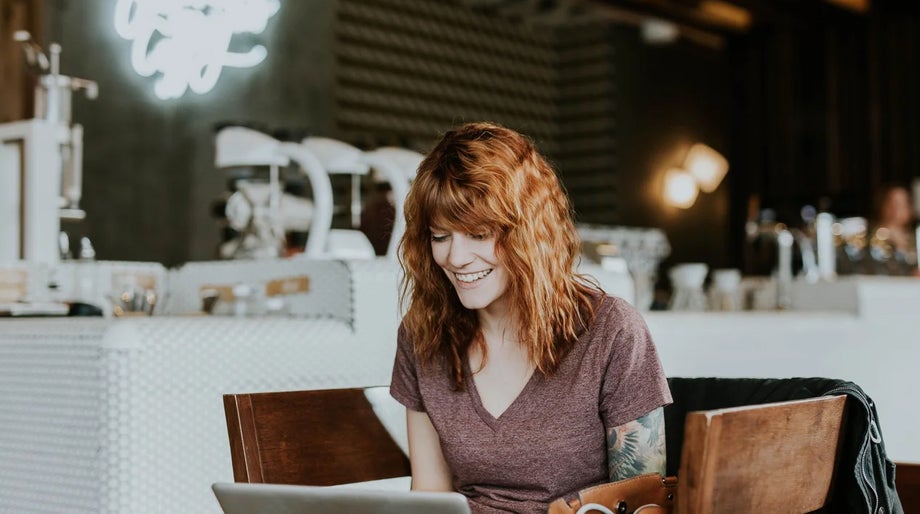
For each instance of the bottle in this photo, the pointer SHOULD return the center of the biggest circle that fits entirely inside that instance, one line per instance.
(86, 291)
(87, 252)
(827, 254)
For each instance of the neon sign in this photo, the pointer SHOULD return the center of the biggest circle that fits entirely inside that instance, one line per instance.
(188, 41)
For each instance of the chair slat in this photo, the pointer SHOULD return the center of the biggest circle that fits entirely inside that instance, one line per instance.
(320, 437)
(777, 457)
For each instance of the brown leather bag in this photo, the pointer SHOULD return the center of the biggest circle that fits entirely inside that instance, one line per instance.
(645, 494)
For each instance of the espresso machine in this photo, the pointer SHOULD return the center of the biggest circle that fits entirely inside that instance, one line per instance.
(261, 213)
(41, 163)
(254, 208)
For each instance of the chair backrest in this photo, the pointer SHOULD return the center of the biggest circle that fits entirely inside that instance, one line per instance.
(777, 457)
(320, 437)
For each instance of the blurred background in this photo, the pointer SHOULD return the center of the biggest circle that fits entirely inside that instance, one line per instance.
(812, 103)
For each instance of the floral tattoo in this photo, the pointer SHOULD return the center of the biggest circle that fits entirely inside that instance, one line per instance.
(637, 447)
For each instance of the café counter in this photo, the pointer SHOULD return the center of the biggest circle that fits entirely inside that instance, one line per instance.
(125, 415)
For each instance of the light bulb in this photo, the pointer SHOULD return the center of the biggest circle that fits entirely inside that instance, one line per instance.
(707, 166)
(680, 189)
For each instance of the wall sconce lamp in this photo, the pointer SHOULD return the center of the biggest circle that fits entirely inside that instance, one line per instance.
(703, 170)
(680, 188)
(707, 166)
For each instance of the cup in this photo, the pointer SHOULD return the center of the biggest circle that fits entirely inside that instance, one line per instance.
(687, 280)
(725, 291)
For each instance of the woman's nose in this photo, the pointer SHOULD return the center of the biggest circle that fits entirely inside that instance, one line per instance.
(459, 254)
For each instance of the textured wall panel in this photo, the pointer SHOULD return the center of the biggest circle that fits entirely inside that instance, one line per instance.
(414, 68)
(587, 125)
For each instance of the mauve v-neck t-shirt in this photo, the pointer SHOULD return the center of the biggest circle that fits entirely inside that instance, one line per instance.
(551, 440)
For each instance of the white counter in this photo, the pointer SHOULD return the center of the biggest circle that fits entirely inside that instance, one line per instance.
(877, 347)
(126, 416)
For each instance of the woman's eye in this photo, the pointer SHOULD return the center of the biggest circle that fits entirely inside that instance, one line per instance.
(435, 238)
(479, 237)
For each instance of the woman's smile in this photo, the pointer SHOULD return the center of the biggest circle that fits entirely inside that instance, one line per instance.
(472, 278)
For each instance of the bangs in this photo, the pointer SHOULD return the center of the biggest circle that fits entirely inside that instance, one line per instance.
(451, 206)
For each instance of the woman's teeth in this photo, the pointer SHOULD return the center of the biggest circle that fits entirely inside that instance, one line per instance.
(472, 277)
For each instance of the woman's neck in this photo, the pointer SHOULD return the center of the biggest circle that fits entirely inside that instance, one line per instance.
(500, 348)
(496, 323)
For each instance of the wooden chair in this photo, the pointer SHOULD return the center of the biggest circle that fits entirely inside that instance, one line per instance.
(777, 457)
(320, 437)
(774, 457)
(908, 484)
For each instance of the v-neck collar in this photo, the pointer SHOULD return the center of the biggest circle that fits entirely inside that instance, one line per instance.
(492, 421)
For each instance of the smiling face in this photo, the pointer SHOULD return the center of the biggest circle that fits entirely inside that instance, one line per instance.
(471, 266)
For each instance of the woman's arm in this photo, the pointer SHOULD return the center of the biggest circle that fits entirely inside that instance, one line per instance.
(636, 447)
(429, 469)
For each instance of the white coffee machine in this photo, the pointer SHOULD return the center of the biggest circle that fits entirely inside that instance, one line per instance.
(41, 163)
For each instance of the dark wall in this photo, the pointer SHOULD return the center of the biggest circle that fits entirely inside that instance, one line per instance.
(670, 97)
(826, 113)
(149, 176)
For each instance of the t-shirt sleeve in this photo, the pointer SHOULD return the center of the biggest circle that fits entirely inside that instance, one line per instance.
(404, 382)
(634, 381)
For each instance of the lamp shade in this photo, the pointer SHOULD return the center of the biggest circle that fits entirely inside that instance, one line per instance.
(707, 166)
(680, 189)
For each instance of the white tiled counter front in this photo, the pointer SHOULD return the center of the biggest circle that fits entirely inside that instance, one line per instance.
(125, 416)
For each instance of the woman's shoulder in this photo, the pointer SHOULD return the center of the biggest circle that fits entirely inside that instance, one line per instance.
(614, 317)
(613, 308)
(404, 340)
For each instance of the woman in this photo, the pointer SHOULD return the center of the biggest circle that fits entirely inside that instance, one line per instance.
(523, 381)
(893, 238)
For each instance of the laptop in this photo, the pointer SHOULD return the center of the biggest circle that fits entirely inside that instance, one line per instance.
(245, 498)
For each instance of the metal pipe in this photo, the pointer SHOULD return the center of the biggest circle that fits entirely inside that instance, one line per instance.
(72, 178)
(355, 201)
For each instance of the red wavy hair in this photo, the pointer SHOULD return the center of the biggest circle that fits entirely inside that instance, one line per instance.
(485, 178)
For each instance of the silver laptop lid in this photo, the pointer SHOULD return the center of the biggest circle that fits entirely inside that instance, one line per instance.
(244, 498)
